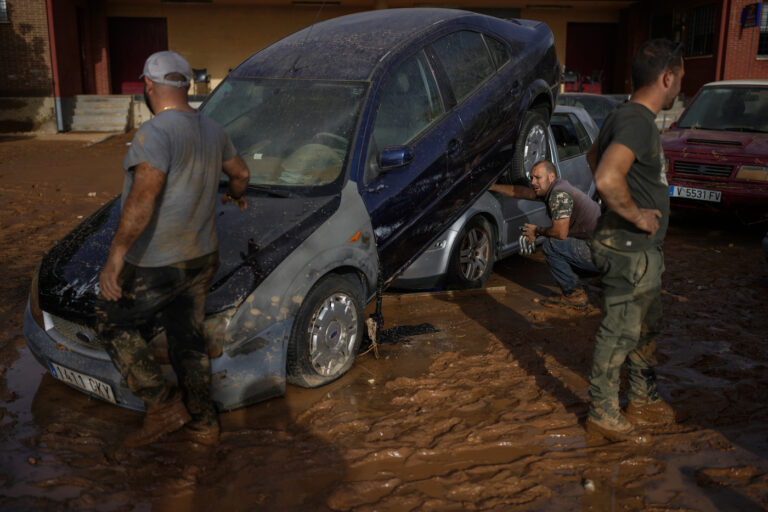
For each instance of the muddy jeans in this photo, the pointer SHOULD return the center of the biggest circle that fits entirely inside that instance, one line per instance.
(174, 296)
(565, 255)
(631, 318)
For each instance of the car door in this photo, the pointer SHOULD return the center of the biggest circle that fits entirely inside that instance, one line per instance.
(572, 142)
(487, 101)
(413, 158)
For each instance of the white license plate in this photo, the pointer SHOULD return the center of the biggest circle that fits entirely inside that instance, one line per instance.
(696, 193)
(84, 382)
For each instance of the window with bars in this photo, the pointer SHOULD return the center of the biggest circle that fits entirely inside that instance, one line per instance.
(762, 46)
(701, 31)
(3, 11)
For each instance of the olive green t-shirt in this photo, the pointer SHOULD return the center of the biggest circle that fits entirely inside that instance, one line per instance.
(634, 126)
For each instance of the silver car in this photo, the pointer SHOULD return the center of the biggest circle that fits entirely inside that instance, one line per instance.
(489, 231)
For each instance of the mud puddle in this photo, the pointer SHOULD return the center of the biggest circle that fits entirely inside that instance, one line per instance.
(483, 410)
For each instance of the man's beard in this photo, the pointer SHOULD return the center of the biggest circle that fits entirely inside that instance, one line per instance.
(146, 100)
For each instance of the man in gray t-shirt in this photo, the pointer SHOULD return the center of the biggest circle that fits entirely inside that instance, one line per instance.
(165, 253)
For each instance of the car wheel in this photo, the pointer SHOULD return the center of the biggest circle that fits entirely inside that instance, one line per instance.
(327, 332)
(532, 145)
(471, 261)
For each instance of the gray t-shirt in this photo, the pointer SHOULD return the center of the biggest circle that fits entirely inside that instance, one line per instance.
(190, 149)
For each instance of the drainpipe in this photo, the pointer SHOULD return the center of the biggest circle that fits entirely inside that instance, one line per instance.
(54, 69)
(724, 21)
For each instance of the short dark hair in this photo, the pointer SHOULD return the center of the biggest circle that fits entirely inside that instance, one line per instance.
(652, 59)
(549, 166)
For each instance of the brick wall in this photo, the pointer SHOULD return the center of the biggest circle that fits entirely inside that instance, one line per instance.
(25, 59)
(741, 47)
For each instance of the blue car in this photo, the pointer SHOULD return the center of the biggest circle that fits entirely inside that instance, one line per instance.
(366, 137)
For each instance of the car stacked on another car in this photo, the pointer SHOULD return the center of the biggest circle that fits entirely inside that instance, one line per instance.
(717, 152)
(366, 137)
(464, 255)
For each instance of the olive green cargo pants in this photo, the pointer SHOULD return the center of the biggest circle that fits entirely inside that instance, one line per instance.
(631, 318)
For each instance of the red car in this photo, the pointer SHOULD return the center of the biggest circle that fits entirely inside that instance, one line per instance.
(717, 152)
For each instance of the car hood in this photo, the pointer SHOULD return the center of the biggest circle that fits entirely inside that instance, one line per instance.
(707, 141)
(251, 245)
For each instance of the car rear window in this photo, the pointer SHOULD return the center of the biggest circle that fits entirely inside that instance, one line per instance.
(466, 60)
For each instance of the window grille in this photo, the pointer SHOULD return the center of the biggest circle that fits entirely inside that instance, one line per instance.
(701, 31)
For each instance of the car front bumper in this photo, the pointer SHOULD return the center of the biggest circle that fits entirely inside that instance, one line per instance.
(250, 372)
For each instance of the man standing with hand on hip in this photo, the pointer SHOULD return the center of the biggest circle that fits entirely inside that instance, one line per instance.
(628, 165)
(165, 253)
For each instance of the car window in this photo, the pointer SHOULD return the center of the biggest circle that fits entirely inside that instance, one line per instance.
(466, 61)
(498, 51)
(570, 136)
(290, 133)
(409, 103)
(728, 108)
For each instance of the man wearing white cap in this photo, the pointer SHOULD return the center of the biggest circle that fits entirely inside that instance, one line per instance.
(165, 253)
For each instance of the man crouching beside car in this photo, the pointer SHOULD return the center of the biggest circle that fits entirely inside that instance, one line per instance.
(566, 244)
(165, 253)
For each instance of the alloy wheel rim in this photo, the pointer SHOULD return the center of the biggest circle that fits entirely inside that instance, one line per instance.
(332, 334)
(474, 254)
(535, 148)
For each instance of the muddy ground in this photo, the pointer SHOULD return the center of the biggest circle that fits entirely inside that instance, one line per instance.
(484, 413)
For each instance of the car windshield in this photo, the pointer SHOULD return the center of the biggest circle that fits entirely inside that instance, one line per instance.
(294, 135)
(742, 109)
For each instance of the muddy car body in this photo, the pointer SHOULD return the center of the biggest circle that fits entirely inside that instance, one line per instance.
(464, 255)
(366, 136)
(717, 152)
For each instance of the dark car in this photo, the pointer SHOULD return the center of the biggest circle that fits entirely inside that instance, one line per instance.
(599, 106)
(366, 137)
(463, 257)
(717, 152)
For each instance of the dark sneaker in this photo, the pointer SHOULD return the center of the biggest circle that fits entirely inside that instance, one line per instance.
(162, 418)
(576, 300)
(616, 430)
(646, 413)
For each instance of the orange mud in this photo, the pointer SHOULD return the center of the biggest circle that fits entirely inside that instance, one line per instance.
(484, 414)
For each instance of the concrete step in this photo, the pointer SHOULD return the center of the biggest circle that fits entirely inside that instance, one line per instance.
(101, 113)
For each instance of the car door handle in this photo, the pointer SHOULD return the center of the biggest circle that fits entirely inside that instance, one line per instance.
(515, 87)
(454, 147)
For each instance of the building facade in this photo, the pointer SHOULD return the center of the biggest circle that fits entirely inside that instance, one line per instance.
(55, 50)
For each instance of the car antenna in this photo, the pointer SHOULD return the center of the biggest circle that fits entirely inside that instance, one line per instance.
(309, 32)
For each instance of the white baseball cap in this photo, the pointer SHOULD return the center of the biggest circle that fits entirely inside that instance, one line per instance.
(160, 64)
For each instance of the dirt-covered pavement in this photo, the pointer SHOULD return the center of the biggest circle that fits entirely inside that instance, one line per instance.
(476, 403)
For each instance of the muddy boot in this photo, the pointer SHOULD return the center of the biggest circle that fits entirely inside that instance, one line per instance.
(204, 432)
(575, 300)
(643, 412)
(162, 418)
(618, 429)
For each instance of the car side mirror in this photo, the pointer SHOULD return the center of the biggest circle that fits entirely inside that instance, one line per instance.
(392, 157)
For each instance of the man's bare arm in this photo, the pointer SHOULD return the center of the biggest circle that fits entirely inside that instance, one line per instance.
(148, 183)
(515, 191)
(239, 175)
(611, 182)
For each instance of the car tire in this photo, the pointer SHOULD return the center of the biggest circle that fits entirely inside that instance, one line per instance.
(473, 255)
(531, 146)
(327, 332)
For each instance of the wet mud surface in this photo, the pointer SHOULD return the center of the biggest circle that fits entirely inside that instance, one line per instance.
(477, 400)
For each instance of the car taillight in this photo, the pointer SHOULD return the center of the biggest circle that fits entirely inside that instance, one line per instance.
(752, 173)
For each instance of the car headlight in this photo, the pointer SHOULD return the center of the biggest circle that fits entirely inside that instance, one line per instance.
(666, 165)
(214, 328)
(752, 173)
(34, 299)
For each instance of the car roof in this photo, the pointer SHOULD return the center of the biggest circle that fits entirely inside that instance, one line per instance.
(588, 95)
(364, 39)
(746, 82)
